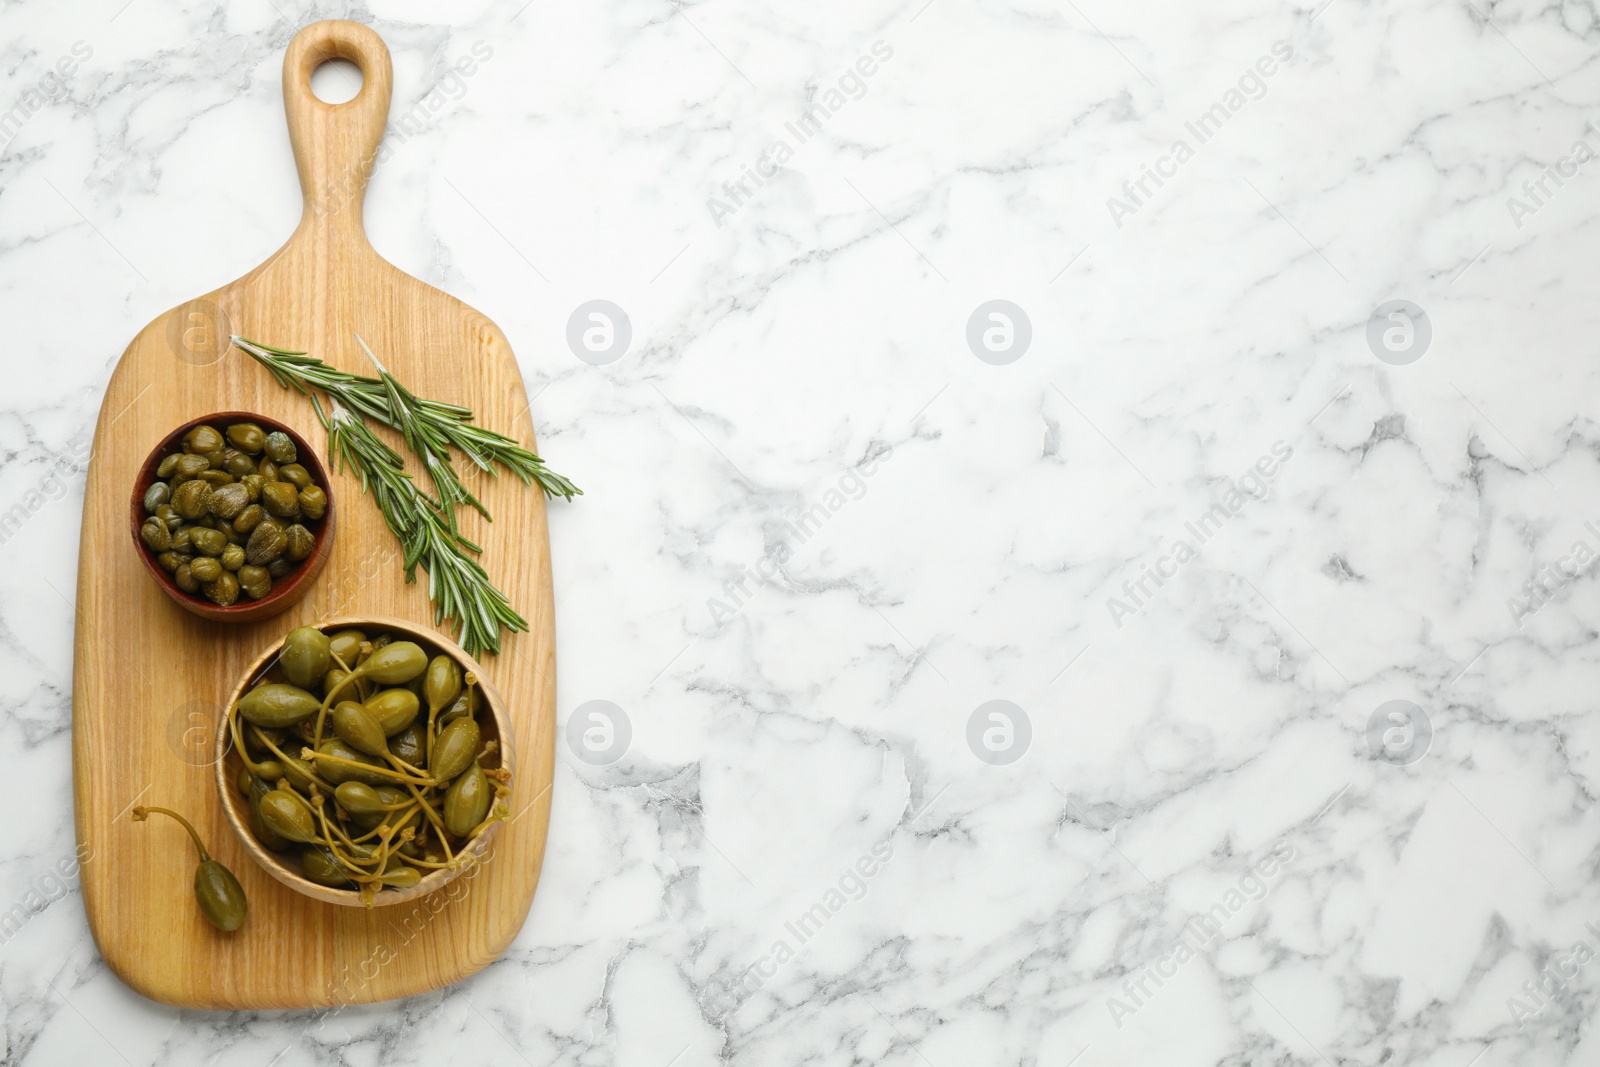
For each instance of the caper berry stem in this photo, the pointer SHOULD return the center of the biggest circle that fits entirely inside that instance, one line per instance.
(140, 814)
(328, 757)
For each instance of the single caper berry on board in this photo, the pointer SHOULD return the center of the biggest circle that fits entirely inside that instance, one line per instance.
(216, 890)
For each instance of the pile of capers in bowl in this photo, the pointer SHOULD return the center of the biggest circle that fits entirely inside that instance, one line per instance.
(362, 760)
(231, 512)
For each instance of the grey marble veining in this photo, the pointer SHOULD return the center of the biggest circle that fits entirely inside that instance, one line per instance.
(1193, 665)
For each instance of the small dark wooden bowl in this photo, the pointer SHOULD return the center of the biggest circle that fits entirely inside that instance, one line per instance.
(286, 591)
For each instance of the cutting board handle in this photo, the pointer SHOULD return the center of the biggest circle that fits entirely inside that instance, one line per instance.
(335, 145)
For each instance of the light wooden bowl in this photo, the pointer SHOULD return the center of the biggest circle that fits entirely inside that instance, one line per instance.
(286, 591)
(495, 725)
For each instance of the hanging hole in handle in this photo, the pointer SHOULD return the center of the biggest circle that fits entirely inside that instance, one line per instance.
(336, 81)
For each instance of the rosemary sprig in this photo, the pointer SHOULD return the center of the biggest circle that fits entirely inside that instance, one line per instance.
(425, 526)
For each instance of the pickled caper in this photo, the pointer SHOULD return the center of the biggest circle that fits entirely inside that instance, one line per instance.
(202, 439)
(155, 535)
(191, 499)
(280, 447)
(267, 542)
(313, 502)
(394, 709)
(466, 802)
(228, 501)
(255, 582)
(278, 704)
(232, 558)
(299, 542)
(281, 499)
(168, 464)
(455, 749)
(209, 542)
(247, 437)
(224, 590)
(155, 496)
(288, 816)
(206, 568)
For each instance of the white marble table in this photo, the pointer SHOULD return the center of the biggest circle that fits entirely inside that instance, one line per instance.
(1195, 507)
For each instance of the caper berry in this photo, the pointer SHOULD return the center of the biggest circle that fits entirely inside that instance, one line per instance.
(216, 890)
(357, 728)
(288, 816)
(319, 865)
(278, 704)
(305, 656)
(394, 709)
(345, 644)
(466, 802)
(456, 747)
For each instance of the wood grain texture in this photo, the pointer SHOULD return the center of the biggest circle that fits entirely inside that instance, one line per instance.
(149, 678)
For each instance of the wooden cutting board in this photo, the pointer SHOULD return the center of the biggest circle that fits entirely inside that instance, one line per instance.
(149, 677)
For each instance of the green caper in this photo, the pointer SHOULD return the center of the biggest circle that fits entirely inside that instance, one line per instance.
(295, 475)
(346, 644)
(255, 582)
(247, 436)
(202, 439)
(280, 447)
(288, 816)
(228, 501)
(208, 541)
(313, 502)
(217, 458)
(466, 802)
(184, 579)
(248, 519)
(281, 499)
(267, 542)
(305, 656)
(300, 542)
(278, 704)
(191, 498)
(158, 493)
(214, 479)
(206, 568)
(224, 590)
(169, 515)
(319, 865)
(169, 561)
(268, 470)
(232, 558)
(455, 749)
(188, 467)
(280, 567)
(239, 465)
(253, 483)
(155, 535)
(394, 709)
(216, 890)
(167, 465)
